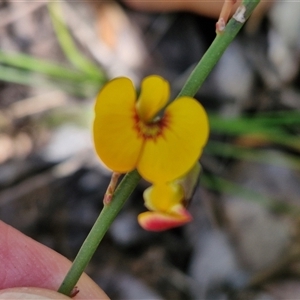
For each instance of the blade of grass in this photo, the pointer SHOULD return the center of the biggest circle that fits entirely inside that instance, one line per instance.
(255, 155)
(78, 89)
(68, 46)
(261, 120)
(244, 126)
(221, 185)
(51, 69)
(279, 118)
(9, 74)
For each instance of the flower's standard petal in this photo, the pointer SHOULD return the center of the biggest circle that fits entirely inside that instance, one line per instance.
(163, 197)
(159, 221)
(173, 153)
(155, 93)
(116, 141)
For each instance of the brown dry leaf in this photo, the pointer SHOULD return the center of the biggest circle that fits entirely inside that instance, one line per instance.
(253, 140)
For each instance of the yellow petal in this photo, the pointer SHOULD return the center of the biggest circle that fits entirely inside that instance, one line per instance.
(162, 197)
(155, 92)
(174, 152)
(116, 141)
(158, 221)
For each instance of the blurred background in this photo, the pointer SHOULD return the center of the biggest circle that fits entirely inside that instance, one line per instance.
(244, 242)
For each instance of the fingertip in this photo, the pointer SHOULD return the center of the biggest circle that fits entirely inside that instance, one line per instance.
(30, 293)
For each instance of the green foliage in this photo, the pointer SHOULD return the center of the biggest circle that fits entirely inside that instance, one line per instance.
(80, 61)
(272, 128)
(83, 78)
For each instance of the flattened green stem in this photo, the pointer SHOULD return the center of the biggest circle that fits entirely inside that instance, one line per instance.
(131, 180)
(216, 49)
(106, 217)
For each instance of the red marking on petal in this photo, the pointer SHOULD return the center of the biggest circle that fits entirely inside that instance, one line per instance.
(159, 221)
(151, 130)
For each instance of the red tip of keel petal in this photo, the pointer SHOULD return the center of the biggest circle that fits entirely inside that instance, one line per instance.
(159, 221)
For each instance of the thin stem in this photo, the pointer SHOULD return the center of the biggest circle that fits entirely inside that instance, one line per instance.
(131, 180)
(215, 51)
(106, 217)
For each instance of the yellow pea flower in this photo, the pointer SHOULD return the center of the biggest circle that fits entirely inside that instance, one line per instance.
(128, 134)
(164, 201)
(167, 202)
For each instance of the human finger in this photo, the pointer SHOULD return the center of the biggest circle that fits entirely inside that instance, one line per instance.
(25, 262)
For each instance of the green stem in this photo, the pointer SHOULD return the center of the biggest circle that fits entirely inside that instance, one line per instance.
(131, 180)
(106, 217)
(215, 51)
